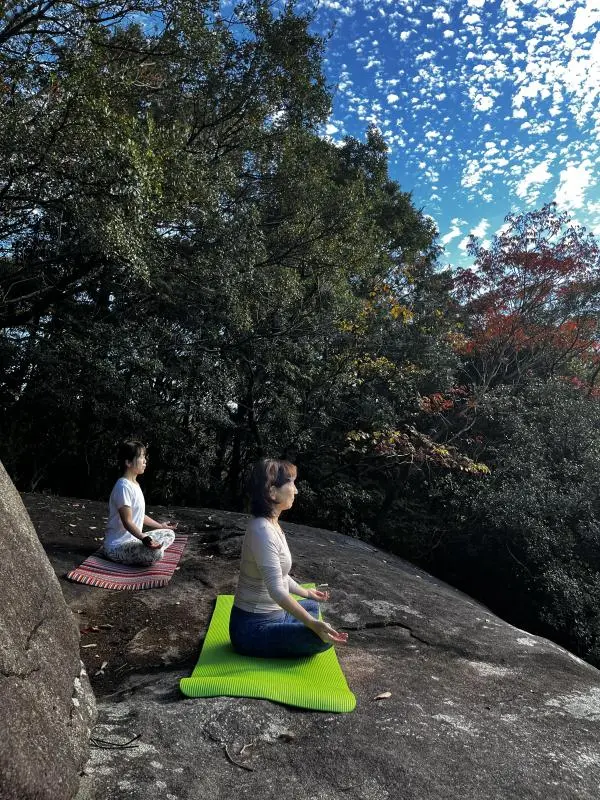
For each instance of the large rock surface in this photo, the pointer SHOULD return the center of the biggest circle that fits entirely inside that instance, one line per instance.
(45, 698)
(478, 710)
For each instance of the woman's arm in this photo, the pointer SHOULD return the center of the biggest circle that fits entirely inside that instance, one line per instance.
(295, 588)
(129, 525)
(152, 523)
(266, 554)
(309, 594)
(323, 629)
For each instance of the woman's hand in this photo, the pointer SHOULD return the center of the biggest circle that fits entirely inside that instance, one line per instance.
(168, 525)
(149, 542)
(156, 526)
(315, 594)
(326, 633)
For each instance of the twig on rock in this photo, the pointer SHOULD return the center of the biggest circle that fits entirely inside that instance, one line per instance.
(225, 746)
(237, 763)
(104, 744)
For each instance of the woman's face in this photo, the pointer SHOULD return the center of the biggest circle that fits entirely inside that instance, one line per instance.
(138, 465)
(285, 495)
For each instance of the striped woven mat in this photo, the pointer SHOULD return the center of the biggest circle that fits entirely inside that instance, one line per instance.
(105, 574)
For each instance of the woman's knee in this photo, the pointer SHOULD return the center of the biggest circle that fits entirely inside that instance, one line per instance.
(139, 556)
(164, 536)
(313, 644)
(299, 641)
(311, 606)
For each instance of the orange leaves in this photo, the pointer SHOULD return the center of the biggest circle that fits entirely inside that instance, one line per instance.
(409, 446)
(532, 295)
(586, 388)
(459, 342)
(384, 300)
(436, 403)
(577, 337)
(398, 311)
(375, 307)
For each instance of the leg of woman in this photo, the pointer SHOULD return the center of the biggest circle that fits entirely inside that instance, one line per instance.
(137, 554)
(302, 641)
(309, 605)
(133, 553)
(165, 536)
(277, 635)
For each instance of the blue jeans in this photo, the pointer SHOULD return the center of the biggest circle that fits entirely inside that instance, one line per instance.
(274, 635)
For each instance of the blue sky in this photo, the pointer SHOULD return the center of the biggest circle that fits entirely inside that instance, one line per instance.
(488, 106)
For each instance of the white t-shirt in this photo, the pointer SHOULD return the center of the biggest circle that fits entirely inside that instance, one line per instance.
(124, 493)
(264, 569)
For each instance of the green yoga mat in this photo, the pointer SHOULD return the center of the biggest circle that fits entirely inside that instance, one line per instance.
(316, 682)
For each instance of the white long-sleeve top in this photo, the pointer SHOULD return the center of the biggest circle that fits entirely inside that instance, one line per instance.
(264, 569)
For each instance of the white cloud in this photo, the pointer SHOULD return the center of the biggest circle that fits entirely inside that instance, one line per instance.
(335, 5)
(442, 15)
(530, 91)
(511, 8)
(471, 175)
(483, 102)
(454, 232)
(536, 177)
(586, 17)
(573, 183)
(504, 109)
(480, 229)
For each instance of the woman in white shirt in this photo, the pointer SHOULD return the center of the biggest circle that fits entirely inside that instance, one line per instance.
(266, 620)
(124, 539)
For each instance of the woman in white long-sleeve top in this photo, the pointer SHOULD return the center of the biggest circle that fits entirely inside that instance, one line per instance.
(266, 620)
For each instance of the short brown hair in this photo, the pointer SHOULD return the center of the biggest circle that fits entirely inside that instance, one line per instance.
(267, 473)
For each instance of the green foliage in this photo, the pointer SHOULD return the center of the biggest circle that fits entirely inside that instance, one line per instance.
(184, 259)
(189, 260)
(525, 538)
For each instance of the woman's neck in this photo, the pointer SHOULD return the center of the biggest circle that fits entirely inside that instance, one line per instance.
(131, 476)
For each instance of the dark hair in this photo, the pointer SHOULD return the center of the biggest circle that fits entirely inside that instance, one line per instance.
(129, 451)
(265, 474)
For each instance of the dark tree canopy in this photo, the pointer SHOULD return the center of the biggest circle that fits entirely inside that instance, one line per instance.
(185, 258)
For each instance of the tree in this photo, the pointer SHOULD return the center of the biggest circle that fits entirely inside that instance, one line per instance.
(530, 304)
(525, 539)
(194, 263)
(129, 189)
(72, 182)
